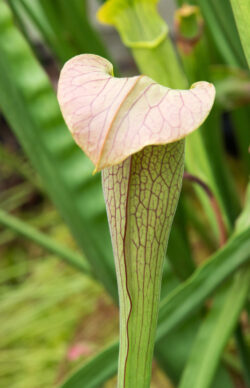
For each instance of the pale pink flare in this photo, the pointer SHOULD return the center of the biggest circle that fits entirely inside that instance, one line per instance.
(78, 350)
(112, 118)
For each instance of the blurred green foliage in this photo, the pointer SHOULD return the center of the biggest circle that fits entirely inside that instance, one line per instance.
(43, 302)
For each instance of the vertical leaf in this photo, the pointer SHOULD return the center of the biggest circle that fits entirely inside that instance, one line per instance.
(44, 241)
(214, 333)
(220, 22)
(219, 322)
(184, 301)
(64, 25)
(205, 156)
(241, 9)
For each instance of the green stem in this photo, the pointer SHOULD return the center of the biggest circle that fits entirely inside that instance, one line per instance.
(214, 205)
(27, 231)
(210, 167)
(161, 64)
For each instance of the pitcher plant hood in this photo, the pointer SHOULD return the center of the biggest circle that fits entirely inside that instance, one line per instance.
(112, 118)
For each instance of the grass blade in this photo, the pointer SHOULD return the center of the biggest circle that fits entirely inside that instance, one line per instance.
(214, 333)
(185, 299)
(96, 371)
(64, 26)
(30, 106)
(220, 21)
(219, 323)
(25, 230)
(191, 294)
(241, 13)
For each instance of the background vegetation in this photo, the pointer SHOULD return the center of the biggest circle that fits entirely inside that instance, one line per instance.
(57, 282)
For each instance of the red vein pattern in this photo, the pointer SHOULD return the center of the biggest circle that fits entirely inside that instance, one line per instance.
(113, 118)
(132, 129)
(141, 196)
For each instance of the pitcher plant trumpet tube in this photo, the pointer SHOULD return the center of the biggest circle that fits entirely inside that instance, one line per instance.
(133, 130)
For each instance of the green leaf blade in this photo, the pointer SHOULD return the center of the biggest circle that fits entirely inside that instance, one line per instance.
(98, 370)
(214, 333)
(188, 297)
(29, 105)
(241, 9)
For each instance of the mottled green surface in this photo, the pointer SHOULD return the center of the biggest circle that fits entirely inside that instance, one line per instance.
(141, 196)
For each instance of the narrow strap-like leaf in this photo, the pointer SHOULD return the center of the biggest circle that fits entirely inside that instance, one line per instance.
(28, 231)
(214, 332)
(29, 104)
(189, 296)
(241, 10)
